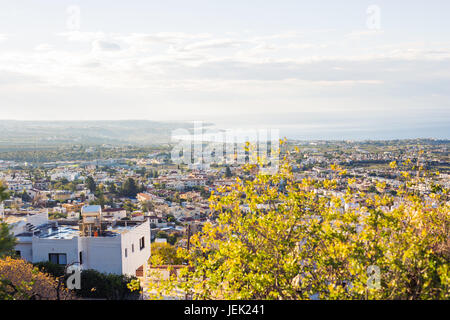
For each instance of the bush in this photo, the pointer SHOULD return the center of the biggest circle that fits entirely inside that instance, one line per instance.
(97, 285)
(164, 254)
(56, 270)
(20, 280)
(172, 239)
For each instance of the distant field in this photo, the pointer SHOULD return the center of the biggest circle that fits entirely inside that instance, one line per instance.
(66, 153)
(41, 134)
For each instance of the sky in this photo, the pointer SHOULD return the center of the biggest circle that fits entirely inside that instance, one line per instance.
(314, 69)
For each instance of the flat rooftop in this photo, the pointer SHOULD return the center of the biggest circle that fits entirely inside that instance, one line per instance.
(91, 209)
(47, 232)
(120, 229)
(61, 232)
(69, 232)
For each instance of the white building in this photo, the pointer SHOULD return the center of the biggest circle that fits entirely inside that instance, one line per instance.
(120, 249)
(114, 214)
(19, 184)
(65, 174)
(73, 215)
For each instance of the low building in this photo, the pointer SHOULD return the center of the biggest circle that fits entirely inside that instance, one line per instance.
(114, 213)
(117, 247)
(73, 215)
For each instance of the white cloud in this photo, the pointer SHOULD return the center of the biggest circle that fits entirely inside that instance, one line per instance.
(44, 47)
(170, 38)
(79, 36)
(213, 44)
(282, 35)
(100, 45)
(192, 72)
(364, 33)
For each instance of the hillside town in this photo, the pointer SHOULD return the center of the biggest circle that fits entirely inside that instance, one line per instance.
(105, 214)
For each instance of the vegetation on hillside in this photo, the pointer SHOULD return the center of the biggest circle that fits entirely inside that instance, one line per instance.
(278, 238)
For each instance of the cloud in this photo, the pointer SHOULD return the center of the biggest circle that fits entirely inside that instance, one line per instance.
(43, 47)
(213, 44)
(100, 45)
(169, 38)
(281, 35)
(212, 67)
(79, 36)
(8, 78)
(364, 33)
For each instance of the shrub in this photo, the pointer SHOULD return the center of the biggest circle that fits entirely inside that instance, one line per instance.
(56, 270)
(97, 285)
(20, 280)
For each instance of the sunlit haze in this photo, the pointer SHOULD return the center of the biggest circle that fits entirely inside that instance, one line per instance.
(322, 69)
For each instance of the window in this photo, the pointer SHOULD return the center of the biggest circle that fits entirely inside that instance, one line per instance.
(132, 247)
(57, 258)
(81, 257)
(126, 253)
(18, 253)
(141, 243)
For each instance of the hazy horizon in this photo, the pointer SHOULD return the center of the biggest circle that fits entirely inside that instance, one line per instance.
(147, 130)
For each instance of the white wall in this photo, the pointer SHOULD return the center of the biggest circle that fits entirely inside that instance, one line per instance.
(102, 254)
(35, 219)
(25, 249)
(73, 215)
(139, 257)
(42, 247)
(38, 218)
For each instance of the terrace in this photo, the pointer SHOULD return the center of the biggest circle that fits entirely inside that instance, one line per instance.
(51, 231)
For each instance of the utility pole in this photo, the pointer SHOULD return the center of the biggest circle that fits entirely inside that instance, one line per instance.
(188, 247)
(188, 237)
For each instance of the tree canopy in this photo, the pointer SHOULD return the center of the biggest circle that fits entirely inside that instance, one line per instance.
(164, 254)
(7, 240)
(90, 184)
(20, 280)
(130, 188)
(278, 237)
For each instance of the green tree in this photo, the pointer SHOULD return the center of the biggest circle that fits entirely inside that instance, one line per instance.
(148, 206)
(164, 254)
(55, 270)
(25, 196)
(130, 188)
(129, 206)
(172, 239)
(112, 188)
(298, 242)
(228, 173)
(105, 286)
(4, 194)
(101, 200)
(162, 234)
(7, 240)
(90, 184)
